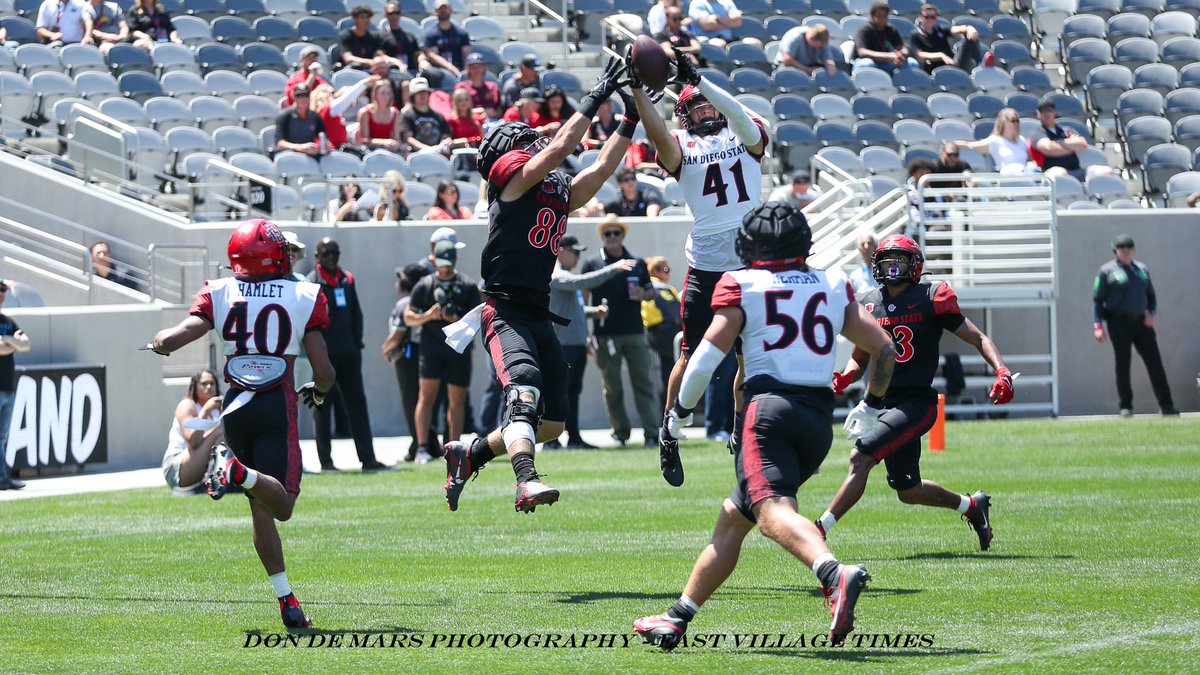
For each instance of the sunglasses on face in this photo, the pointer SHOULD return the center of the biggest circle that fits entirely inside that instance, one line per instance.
(952, 154)
(929, 16)
(613, 233)
(395, 13)
(3, 289)
(331, 254)
(628, 179)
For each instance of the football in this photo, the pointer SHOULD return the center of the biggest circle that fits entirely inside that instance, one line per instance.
(650, 63)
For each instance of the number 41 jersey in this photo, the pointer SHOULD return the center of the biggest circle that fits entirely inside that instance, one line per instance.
(265, 317)
(792, 318)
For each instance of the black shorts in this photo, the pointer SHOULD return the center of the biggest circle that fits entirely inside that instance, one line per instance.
(784, 440)
(525, 351)
(698, 289)
(897, 439)
(443, 363)
(263, 434)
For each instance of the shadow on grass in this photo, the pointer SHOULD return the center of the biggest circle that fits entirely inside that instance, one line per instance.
(816, 592)
(202, 601)
(851, 654)
(978, 555)
(597, 596)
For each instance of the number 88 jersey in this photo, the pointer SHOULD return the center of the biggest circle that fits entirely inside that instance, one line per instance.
(792, 318)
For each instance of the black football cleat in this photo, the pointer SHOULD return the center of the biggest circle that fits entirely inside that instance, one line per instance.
(980, 518)
(662, 630)
(669, 462)
(458, 471)
(217, 481)
(848, 583)
(292, 615)
(533, 493)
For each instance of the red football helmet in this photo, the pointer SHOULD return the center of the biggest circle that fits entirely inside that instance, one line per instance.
(258, 251)
(898, 243)
(689, 99)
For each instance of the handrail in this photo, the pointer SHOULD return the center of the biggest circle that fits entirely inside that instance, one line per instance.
(820, 162)
(560, 18)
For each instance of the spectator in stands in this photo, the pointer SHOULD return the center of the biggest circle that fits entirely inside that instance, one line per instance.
(879, 45)
(203, 401)
(917, 169)
(105, 23)
(405, 48)
(404, 354)
(60, 22)
(464, 127)
(298, 128)
(485, 94)
(330, 108)
(566, 300)
(421, 126)
(604, 125)
(150, 24)
(930, 43)
(446, 43)
(1056, 150)
(347, 207)
(949, 162)
(621, 336)
(862, 277)
(662, 319)
(554, 109)
(528, 76)
(379, 124)
(807, 48)
(392, 204)
(656, 18)
(445, 205)
(309, 72)
(642, 157)
(1123, 296)
(713, 21)
(800, 193)
(360, 44)
(12, 340)
(675, 37)
(528, 104)
(104, 266)
(633, 200)
(1008, 148)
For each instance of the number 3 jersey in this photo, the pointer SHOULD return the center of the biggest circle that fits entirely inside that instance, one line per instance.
(524, 234)
(721, 181)
(792, 318)
(265, 317)
(915, 319)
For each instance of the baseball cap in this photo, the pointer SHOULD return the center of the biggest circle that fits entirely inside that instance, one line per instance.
(4, 283)
(1123, 241)
(572, 242)
(300, 90)
(801, 177)
(309, 50)
(446, 234)
(531, 61)
(530, 94)
(442, 3)
(475, 57)
(418, 85)
(293, 240)
(445, 253)
(1046, 104)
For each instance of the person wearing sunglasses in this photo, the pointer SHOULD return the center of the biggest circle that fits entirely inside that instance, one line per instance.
(404, 47)
(1009, 150)
(633, 200)
(930, 43)
(12, 340)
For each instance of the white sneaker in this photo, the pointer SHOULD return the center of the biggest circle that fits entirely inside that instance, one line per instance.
(423, 456)
(719, 437)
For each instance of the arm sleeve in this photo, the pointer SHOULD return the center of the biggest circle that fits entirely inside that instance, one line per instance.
(1098, 287)
(419, 299)
(728, 293)
(564, 280)
(945, 307)
(340, 103)
(743, 125)
(701, 366)
(507, 167)
(319, 319)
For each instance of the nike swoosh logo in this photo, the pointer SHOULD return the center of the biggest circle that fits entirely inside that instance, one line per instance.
(914, 306)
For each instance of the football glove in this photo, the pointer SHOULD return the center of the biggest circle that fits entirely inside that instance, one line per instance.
(634, 83)
(312, 397)
(609, 80)
(674, 423)
(840, 382)
(862, 420)
(685, 71)
(1002, 388)
(630, 113)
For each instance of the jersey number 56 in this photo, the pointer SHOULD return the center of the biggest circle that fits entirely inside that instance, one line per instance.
(815, 327)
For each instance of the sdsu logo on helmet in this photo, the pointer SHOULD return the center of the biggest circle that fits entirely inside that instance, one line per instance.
(259, 251)
(898, 243)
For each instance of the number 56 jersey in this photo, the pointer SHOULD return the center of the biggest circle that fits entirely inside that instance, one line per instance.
(792, 318)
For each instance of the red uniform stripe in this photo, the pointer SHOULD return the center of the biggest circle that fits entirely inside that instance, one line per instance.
(752, 464)
(683, 344)
(493, 344)
(295, 462)
(912, 432)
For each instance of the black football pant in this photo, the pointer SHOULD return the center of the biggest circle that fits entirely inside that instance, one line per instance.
(576, 356)
(348, 390)
(1126, 332)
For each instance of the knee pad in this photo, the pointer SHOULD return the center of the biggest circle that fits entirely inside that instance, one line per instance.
(522, 403)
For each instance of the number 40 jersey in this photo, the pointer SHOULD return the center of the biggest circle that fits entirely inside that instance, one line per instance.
(264, 317)
(793, 316)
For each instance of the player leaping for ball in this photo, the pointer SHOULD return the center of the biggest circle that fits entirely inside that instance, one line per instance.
(529, 198)
(788, 316)
(915, 313)
(717, 159)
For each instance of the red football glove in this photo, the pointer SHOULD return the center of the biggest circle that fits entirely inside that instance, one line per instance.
(1002, 388)
(840, 382)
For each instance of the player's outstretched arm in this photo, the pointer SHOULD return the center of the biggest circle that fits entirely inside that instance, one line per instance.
(171, 339)
(588, 182)
(568, 137)
(872, 342)
(1002, 389)
(743, 125)
(669, 153)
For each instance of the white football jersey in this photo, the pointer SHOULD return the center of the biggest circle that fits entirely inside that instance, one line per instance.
(793, 319)
(266, 317)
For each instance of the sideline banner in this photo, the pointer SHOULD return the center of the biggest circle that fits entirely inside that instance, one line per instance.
(59, 417)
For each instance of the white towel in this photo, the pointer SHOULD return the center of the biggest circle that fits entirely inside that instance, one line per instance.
(460, 333)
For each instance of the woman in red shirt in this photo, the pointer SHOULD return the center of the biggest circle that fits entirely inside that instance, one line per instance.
(331, 107)
(445, 206)
(554, 110)
(379, 120)
(465, 130)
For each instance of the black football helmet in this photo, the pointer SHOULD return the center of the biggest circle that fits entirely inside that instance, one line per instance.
(505, 138)
(898, 243)
(771, 233)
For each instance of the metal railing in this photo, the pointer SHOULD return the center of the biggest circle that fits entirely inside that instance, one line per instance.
(562, 19)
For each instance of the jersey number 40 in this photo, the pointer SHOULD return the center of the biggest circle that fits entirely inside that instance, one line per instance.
(814, 327)
(236, 328)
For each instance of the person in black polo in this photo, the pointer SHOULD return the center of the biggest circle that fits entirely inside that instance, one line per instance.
(1123, 296)
(1056, 150)
(360, 44)
(299, 127)
(633, 201)
(930, 43)
(12, 340)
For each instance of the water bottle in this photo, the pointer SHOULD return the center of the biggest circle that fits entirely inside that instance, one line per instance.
(322, 143)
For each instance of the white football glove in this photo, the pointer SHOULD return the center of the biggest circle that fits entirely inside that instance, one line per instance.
(673, 424)
(862, 420)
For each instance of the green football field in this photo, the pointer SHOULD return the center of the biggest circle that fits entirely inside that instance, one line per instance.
(1093, 568)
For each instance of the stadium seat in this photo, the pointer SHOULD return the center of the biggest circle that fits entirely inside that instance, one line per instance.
(124, 58)
(20, 30)
(759, 105)
(338, 164)
(290, 11)
(1127, 25)
(183, 85)
(1066, 104)
(867, 107)
(96, 86)
(880, 186)
(949, 7)
(1180, 187)
(317, 30)
(1082, 26)
(183, 141)
(215, 57)
(952, 130)
(208, 10)
(266, 83)
(839, 83)
(1170, 25)
(35, 58)
(263, 57)
(251, 10)
(139, 86)
(717, 77)
(233, 31)
(984, 106)
(1124, 204)
(254, 162)
(255, 112)
(1031, 80)
(778, 25)
(429, 167)
(1067, 190)
(744, 55)
(1049, 15)
(166, 114)
(1135, 52)
(904, 8)
(1191, 7)
(291, 54)
(168, 57)
(910, 107)
(923, 153)
(874, 82)
(292, 167)
(981, 129)
(953, 80)
(124, 110)
(1084, 206)
(193, 31)
(421, 197)
(227, 84)
(981, 25)
(1149, 8)
(751, 28)
(1160, 163)
(379, 162)
(266, 139)
(230, 140)
(796, 142)
(994, 81)
(1182, 103)
(511, 53)
(944, 106)
(874, 133)
(1181, 52)
(914, 81)
(275, 31)
(1099, 8)
(1105, 85)
(832, 108)
(748, 81)
(1010, 28)
(837, 135)
(915, 134)
(883, 161)
(1011, 54)
(833, 9)
(1106, 188)
(80, 58)
(1187, 132)
(1157, 76)
(1077, 126)
(1085, 54)
(844, 159)
(316, 198)
(485, 29)
(1143, 133)
(792, 81)
(211, 113)
(984, 9)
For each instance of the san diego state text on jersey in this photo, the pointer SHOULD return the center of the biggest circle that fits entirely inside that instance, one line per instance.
(792, 317)
(720, 178)
(915, 319)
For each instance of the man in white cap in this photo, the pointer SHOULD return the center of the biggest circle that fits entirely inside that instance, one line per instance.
(446, 43)
(308, 73)
(422, 127)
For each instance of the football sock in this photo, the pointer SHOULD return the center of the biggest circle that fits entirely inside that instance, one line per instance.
(965, 504)
(827, 521)
(280, 583)
(825, 567)
(480, 453)
(249, 478)
(522, 464)
(684, 608)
